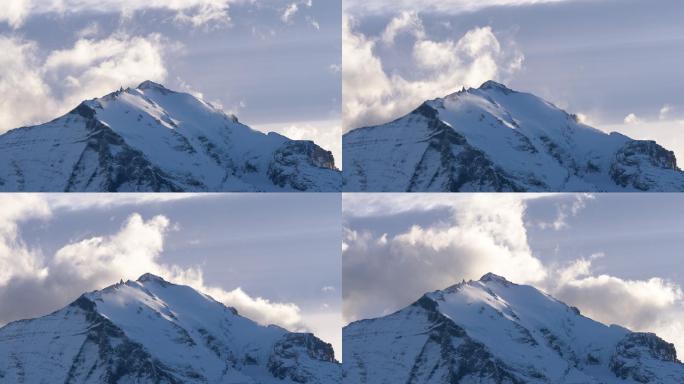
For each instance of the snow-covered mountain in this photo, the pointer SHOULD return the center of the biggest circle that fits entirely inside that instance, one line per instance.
(493, 331)
(154, 139)
(496, 139)
(152, 331)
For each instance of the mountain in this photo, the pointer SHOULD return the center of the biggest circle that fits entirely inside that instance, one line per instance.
(496, 139)
(152, 331)
(154, 139)
(493, 331)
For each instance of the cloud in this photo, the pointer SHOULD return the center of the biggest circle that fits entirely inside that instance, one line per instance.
(293, 8)
(565, 210)
(90, 30)
(449, 6)
(31, 285)
(194, 12)
(14, 12)
(407, 21)
(289, 12)
(16, 258)
(26, 97)
(91, 68)
(385, 271)
(631, 119)
(371, 95)
(664, 112)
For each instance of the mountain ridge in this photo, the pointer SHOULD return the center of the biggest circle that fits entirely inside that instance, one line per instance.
(151, 138)
(493, 138)
(494, 331)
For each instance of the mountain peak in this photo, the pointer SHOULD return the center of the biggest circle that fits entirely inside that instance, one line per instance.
(491, 84)
(150, 277)
(149, 84)
(492, 277)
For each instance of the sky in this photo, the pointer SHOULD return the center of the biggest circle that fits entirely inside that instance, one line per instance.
(617, 257)
(275, 258)
(616, 63)
(275, 64)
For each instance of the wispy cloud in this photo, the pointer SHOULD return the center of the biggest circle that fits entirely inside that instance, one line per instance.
(194, 12)
(443, 6)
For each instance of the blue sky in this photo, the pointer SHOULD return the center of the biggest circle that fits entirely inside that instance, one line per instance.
(617, 257)
(276, 64)
(616, 62)
(281, 251)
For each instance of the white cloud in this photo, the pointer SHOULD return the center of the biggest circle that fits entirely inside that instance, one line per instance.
(373, 96)
(407, 21)
(31, 285)
(89, 30)
(16, 258)
(664, 112)
(289, 12)
(485, 233)
(91, 68)
(565, 210)
(631, 119)
(194, 12)
(14, 12)
(26, 97)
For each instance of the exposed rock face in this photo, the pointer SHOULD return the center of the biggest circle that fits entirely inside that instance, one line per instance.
(152, 331)
(496, 139)
(493, 331)
(640, 164)
(292, 348)
(627, 362)
(154, 139)
(300, 165)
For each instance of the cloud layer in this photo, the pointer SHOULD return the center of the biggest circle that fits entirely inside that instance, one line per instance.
(442, 6)
(33, 284)
(383, 272)
(195, 12)
(372, 94)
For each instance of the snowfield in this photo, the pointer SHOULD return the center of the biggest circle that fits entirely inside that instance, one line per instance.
(154, 139)
(496, 139)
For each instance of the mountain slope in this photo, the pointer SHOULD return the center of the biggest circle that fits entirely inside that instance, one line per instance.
(152, 331)
(496, 139)
(493, 331)
(153, 139)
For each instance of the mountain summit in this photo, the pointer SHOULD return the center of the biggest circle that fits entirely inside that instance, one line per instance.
(151, 138)
(153, 331)
(493, 331)
(496, 139)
